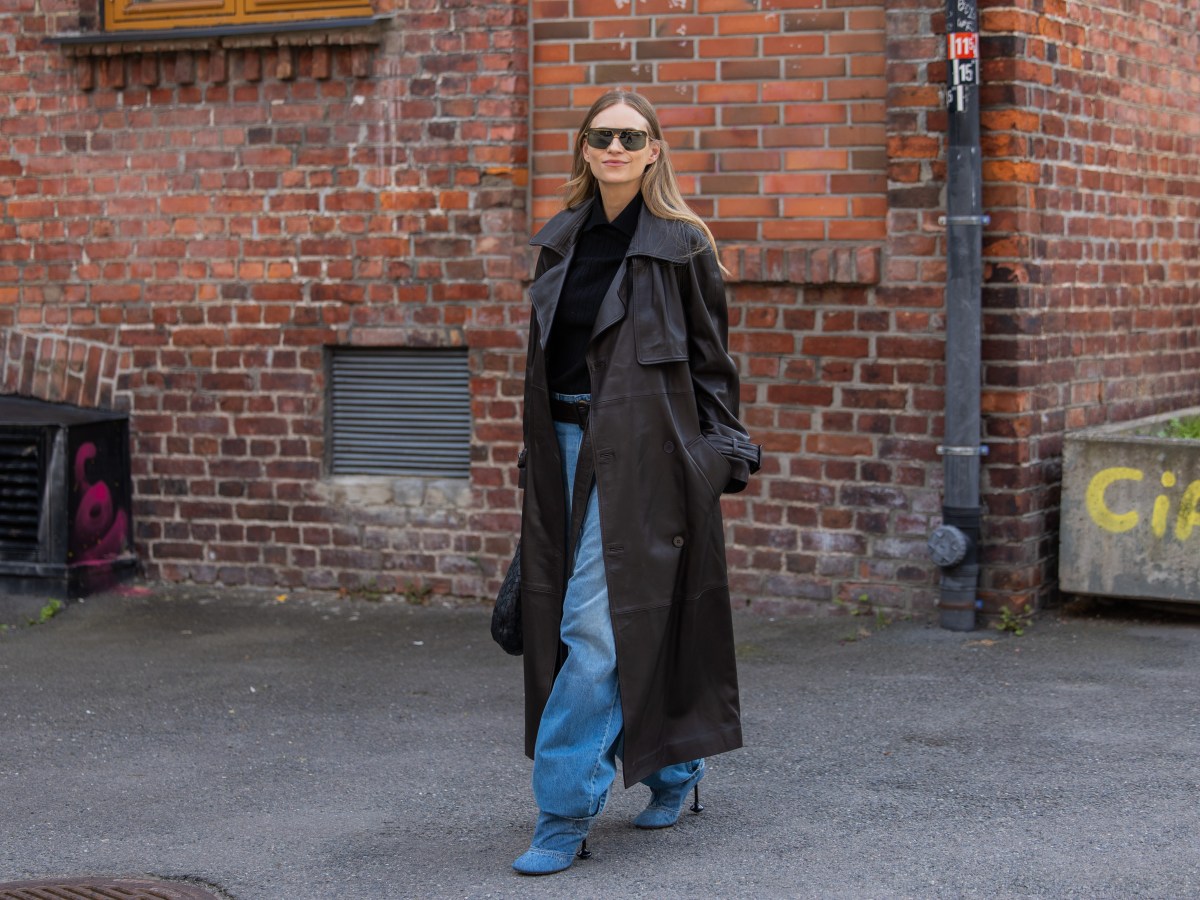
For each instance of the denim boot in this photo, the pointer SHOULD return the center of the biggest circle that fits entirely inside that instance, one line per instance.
(556, 839)
(666, 800)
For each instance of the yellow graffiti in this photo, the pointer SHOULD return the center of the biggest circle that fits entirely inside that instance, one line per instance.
(1189, 517)
(1098, 509)
(1117, 522)
(1162, 506)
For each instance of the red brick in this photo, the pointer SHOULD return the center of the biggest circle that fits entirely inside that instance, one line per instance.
(796, 184)
(808, 68)
(752, 161)
(594, 50)
(556, 53)
(665, 49)
(799, 160)
(827, 21)
(839, 445)
(673, 25)
(793, 90)
(760, 69)
(681, 8)
(800, 395)
(746, 207)
(726, 48)
(686, 71)
(815, 207)
(605, 29)
(616, 74)
(559, 75)
(814, 113)
(794, 45)
(586, 9)
(785, 230)
(758, 23)
(729, 137)
(863, 42)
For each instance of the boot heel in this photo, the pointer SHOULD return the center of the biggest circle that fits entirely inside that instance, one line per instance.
(667, 803)
(584, 852)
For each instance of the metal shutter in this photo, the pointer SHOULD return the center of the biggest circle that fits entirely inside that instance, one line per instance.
(399, 412)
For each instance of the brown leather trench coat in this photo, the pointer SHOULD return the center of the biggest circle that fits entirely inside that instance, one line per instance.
(667, 443)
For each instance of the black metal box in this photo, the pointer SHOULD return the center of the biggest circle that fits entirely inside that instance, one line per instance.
(66, 523)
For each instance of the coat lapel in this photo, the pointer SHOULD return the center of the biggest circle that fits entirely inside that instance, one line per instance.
(558, 237)
(654, 238)
(544, 294)
(612, 307)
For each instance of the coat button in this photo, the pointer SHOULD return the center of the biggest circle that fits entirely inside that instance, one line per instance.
(677, 540)
(668, 447)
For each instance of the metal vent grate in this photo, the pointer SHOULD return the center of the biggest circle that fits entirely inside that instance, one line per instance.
(399, 412)
(21, 470)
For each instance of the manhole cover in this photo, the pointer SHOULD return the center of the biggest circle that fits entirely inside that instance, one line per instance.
(102, 889)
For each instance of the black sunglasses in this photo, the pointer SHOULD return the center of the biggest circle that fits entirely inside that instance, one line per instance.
(602, 138)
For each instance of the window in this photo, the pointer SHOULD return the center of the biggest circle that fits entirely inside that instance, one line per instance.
(125, 15)
(399, 411)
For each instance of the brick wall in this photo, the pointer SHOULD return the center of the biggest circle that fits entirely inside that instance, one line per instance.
(775, 115)
(1092, 302)
(206, 216)
(185, 227)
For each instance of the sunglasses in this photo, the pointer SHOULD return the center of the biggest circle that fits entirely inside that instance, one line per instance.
(602, 138)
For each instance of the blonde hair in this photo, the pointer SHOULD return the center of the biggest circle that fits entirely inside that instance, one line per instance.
(660, 187)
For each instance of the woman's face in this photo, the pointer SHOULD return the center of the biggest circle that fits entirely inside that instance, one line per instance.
(614, 165)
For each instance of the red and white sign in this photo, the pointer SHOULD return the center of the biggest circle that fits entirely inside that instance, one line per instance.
(962, 45)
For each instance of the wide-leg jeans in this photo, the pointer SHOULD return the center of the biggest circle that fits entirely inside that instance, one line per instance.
(579, 737)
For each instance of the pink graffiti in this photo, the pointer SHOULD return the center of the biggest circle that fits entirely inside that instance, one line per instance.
(98, 527)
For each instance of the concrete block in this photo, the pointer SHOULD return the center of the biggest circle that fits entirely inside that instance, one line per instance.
(1131, 512)
(409, 491)
(448, 492)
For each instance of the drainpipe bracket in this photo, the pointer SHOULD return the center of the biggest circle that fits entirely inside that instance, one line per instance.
(944, 450)
(964, 220)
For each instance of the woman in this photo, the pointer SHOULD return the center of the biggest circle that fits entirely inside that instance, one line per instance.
(631, 435)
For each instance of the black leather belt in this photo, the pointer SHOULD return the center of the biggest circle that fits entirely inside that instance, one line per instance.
(576, 413)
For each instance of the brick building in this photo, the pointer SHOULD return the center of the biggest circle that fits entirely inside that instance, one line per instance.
(201, 226)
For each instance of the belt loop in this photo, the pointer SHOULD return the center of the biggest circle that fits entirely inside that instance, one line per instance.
(582, 407)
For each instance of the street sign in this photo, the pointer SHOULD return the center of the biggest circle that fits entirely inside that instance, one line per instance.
(962, 45)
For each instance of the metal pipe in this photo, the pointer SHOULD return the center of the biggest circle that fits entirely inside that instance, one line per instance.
(955, 544)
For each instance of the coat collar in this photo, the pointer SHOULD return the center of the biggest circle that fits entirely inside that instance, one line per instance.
(626, 221)
(658, 238)
(673, 242)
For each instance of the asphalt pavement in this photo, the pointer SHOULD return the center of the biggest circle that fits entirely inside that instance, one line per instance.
(279, 747)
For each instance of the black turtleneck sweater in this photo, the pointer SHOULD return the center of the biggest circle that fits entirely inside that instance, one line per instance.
(599, 250)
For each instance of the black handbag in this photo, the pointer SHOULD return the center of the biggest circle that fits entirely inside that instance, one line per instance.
(506, 615)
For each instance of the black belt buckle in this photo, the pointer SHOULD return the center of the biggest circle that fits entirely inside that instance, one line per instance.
(576, 413)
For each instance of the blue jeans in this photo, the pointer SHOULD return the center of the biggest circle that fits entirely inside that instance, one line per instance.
(579, 737)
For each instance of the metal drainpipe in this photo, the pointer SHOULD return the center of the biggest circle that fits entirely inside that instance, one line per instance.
(955, 544)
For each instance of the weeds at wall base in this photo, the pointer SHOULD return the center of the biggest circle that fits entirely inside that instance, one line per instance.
(1013, 622)
(44, 615)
